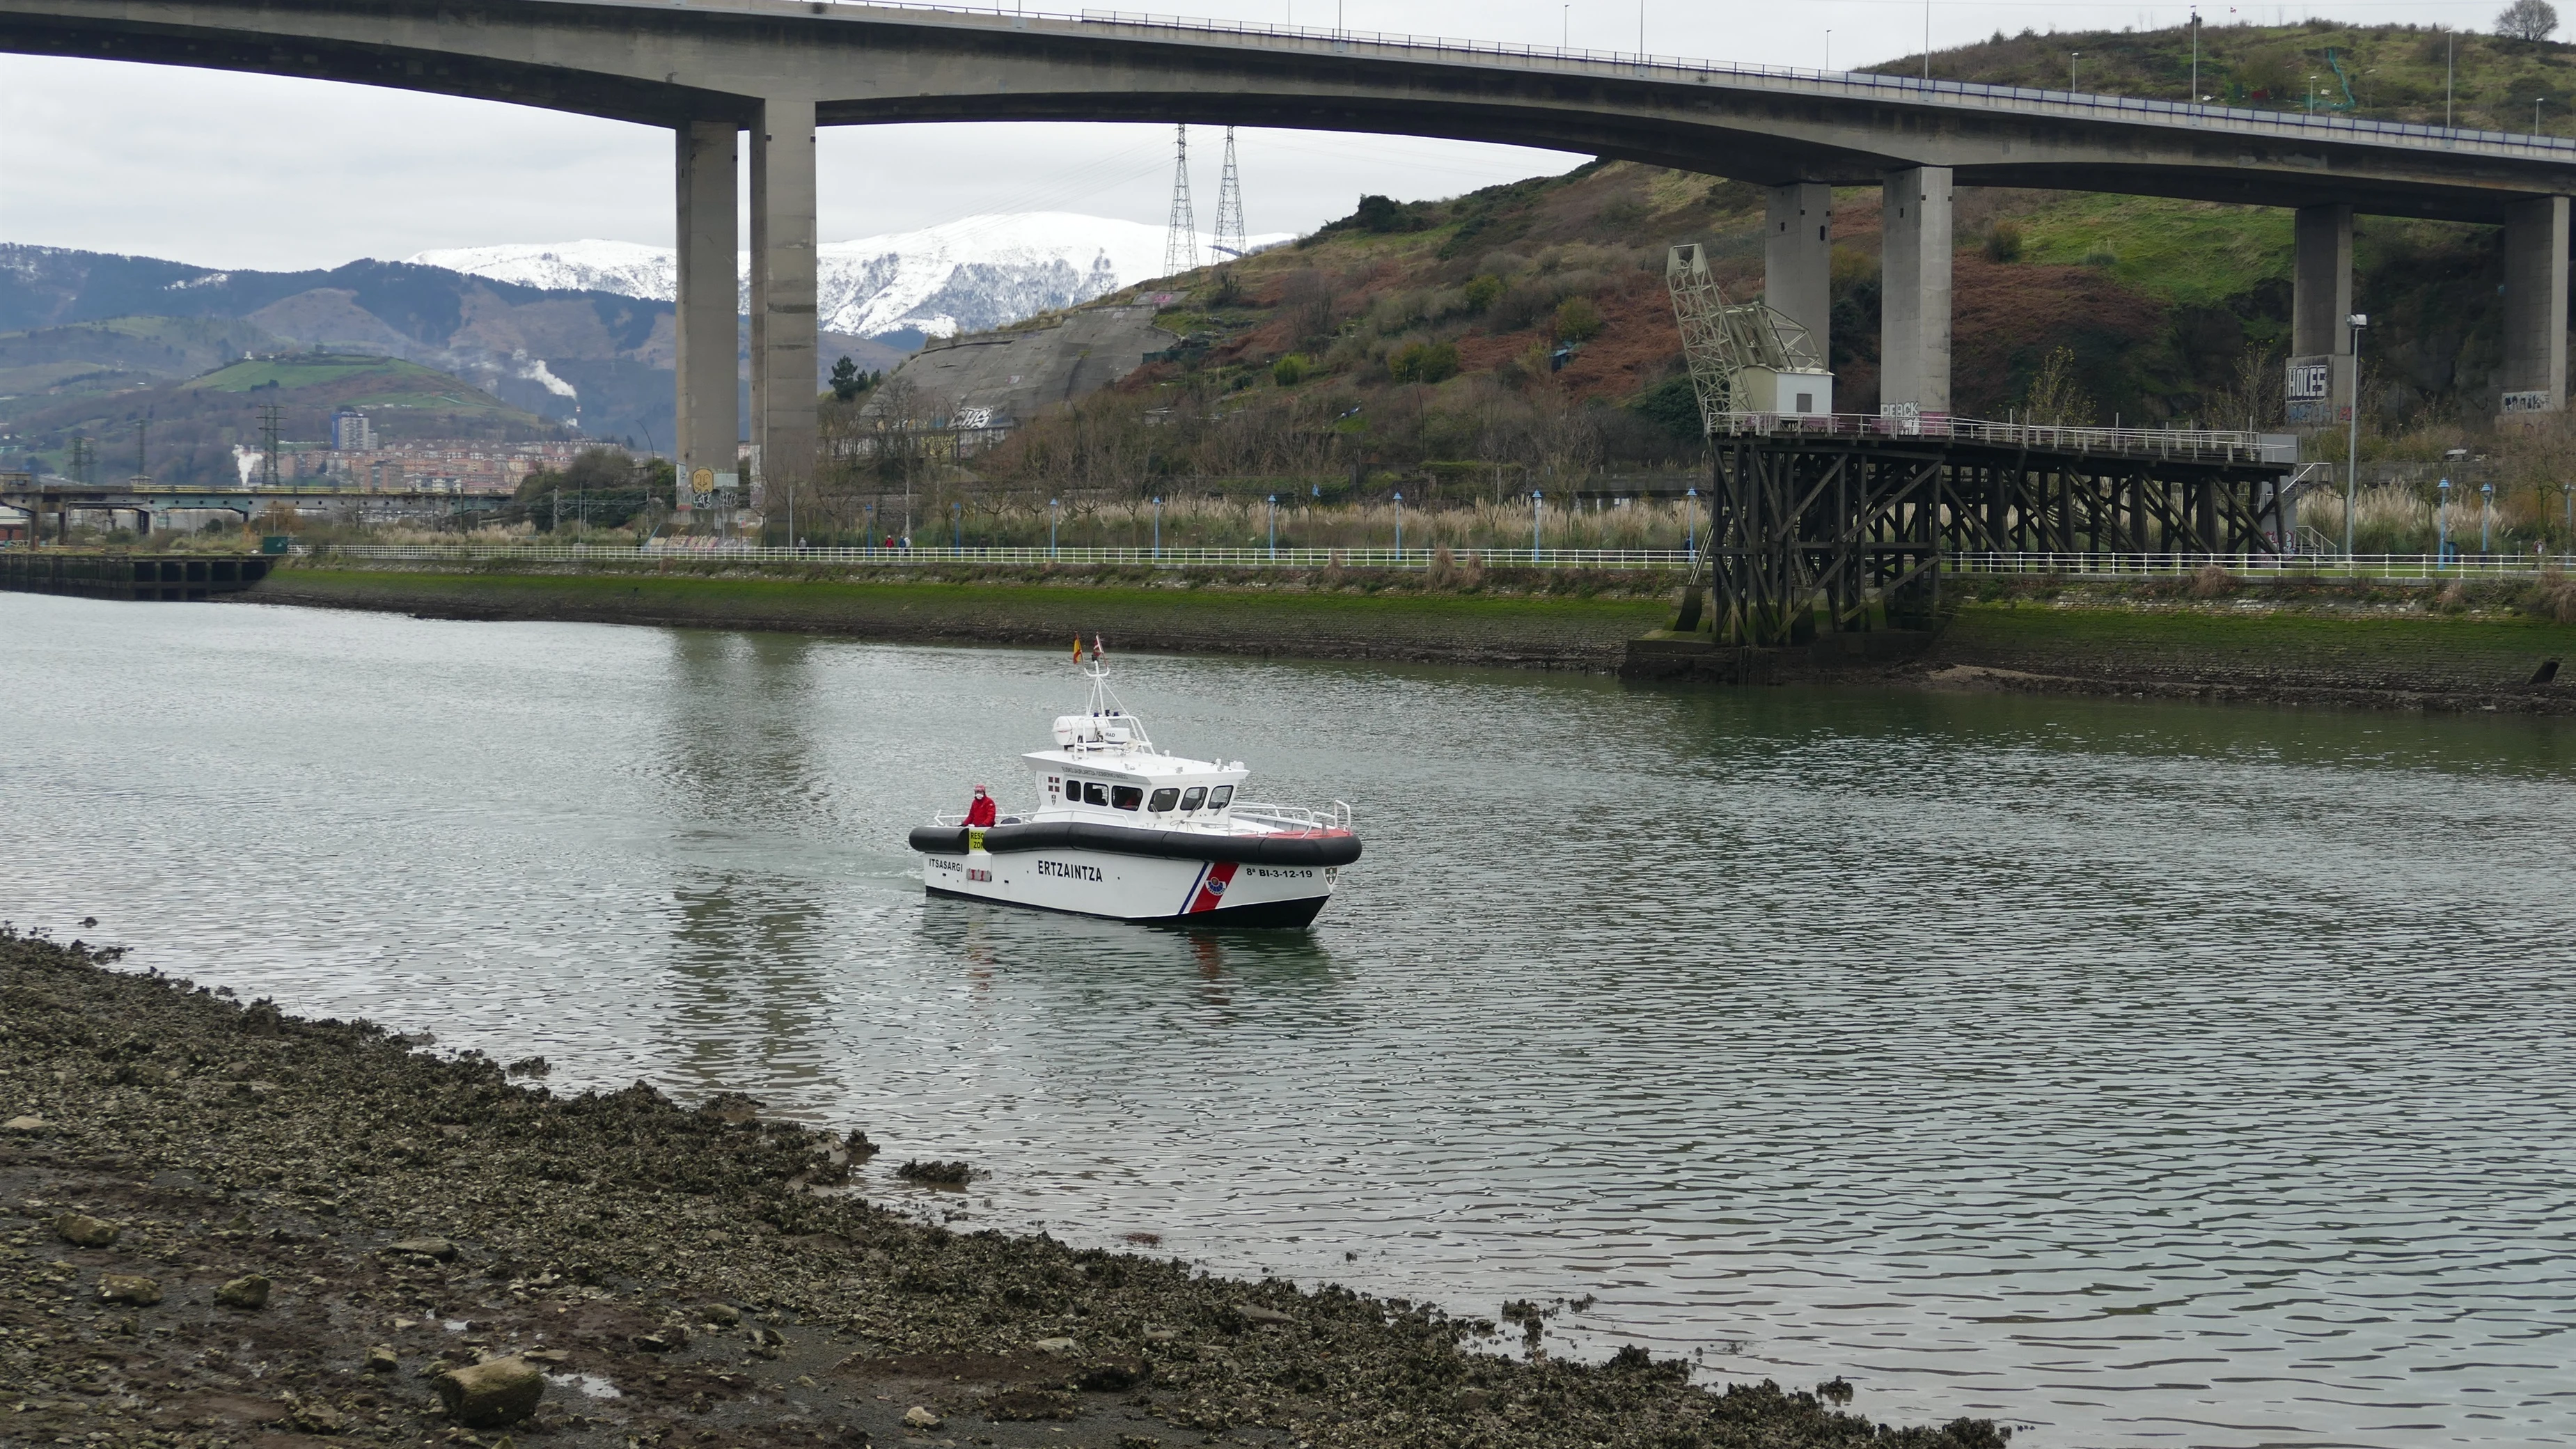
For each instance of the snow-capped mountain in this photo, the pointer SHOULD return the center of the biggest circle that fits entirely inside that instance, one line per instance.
(628, 269)
(960, 276)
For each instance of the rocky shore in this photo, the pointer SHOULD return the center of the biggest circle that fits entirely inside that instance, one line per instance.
(222, 1225)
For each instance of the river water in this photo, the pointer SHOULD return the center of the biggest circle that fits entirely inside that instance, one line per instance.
(2139, 1075)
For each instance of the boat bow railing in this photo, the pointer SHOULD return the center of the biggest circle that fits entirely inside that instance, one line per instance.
(1294, 817)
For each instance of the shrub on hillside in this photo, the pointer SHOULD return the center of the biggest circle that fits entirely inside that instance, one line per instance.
(1483, 292)
(1673, 406)
(1577, 320)
(1424, 362)
(1377, 214)
(1291, 370)
(2003, 242)
(1522, 305)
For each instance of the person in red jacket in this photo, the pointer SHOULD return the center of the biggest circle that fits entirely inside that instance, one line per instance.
(980, 811)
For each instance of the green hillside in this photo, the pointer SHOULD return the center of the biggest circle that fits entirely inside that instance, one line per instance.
(2386, 72)
(353, 382)
(39, 367)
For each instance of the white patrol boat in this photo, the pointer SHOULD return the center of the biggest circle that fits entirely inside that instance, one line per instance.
(1126, 831)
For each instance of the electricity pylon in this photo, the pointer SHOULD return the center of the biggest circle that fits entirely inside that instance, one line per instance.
(1230, 242)
(1181, 241)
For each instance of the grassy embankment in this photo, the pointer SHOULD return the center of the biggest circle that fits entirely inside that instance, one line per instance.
(2430, 646)
(1585, 624)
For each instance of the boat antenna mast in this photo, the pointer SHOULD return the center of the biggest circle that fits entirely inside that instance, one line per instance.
(1105, 702)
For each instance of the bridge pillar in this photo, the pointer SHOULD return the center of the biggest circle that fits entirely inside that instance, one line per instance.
(710, 401)
(2321, 285)
(783, 324)
(1914, 294)
(2535, 306)
(1797, 258)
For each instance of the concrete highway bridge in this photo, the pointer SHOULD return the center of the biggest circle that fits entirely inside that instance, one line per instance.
(715, 71)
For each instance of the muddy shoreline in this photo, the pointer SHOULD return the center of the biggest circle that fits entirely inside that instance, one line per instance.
(662, 1274)
(1548, 621)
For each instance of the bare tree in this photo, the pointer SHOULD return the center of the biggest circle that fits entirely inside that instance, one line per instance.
(2056, 394)
(2252, 395)
(2527, 20)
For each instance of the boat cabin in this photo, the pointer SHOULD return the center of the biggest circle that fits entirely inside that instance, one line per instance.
(1105, 768)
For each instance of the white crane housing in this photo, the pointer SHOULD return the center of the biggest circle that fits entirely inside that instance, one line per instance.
(1747, 359)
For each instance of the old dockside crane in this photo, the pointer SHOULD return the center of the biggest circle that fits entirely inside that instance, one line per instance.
(1751, 367)
(1837, 522)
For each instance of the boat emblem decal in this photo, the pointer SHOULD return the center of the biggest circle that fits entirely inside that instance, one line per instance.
(1212, 886)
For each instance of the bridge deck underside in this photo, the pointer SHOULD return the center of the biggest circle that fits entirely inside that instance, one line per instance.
(1807, 535)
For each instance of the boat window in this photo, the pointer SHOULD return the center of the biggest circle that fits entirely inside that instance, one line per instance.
(1127, 797)
(1163, 800)
(1218, 797)
(1094, 793)
(1196, 797)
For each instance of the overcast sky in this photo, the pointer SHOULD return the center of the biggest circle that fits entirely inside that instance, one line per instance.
(251, 171)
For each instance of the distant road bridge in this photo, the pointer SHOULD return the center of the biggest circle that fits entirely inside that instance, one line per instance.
(151, 502)
(711, 70)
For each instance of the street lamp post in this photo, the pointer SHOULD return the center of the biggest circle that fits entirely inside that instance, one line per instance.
(2352, 437)
(1538, 521)
(1690, 523)
(1158, 528)
(1274, 528)
(2442, 524)
(2486, 518)
(2072, 56)
(1399, 529)
(957, 520)
(2195, 57)
(1051, 522)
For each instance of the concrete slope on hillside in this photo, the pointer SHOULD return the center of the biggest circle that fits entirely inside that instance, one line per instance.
(1001, 379)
